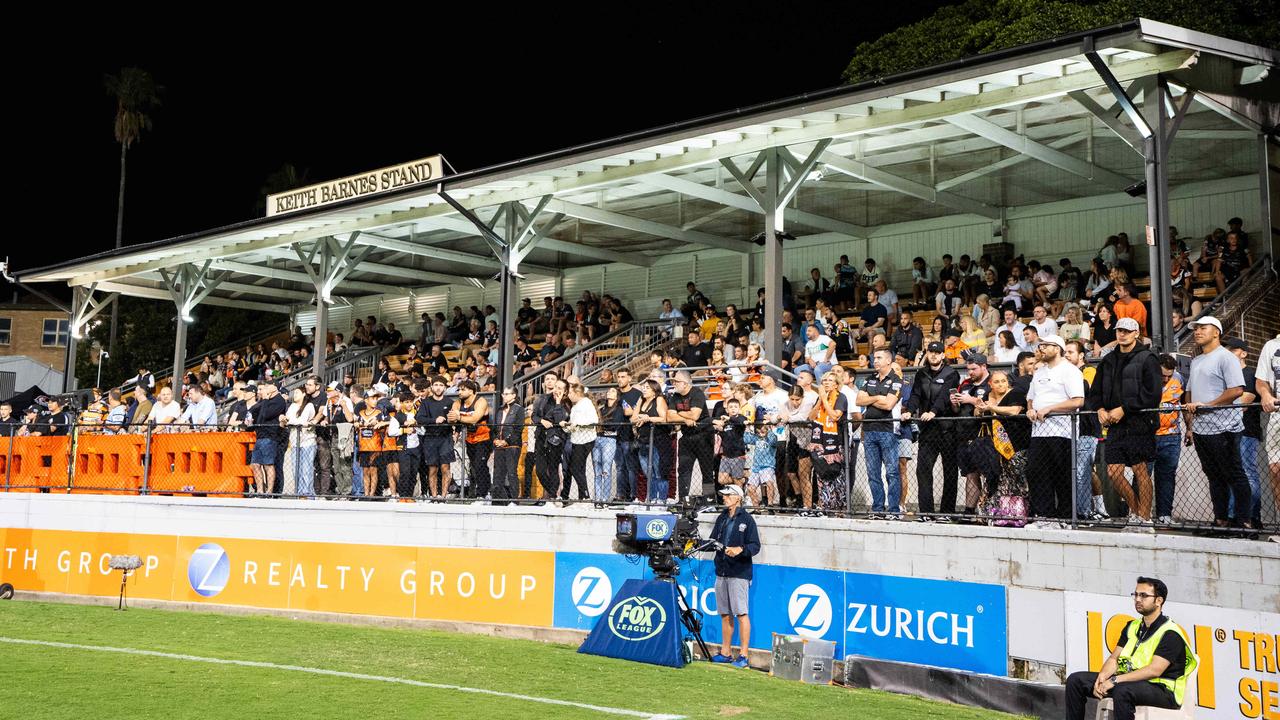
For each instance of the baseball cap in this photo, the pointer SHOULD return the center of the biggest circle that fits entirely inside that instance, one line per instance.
(1055, 340)
(1235, 343)
(976, 358)
(731, 490)
(381, 388)
(1127, 323)
(1207, 320)
(335, 385)
(935, 347)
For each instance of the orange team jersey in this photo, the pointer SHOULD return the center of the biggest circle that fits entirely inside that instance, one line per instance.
(479, 432)
(952, 351)
(1133, 308)
(1171, 396)
(371, 439)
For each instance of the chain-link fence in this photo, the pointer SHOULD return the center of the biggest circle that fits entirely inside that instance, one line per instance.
(1145, 472)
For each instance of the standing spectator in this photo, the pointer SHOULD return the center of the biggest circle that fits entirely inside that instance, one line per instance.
(1089, 435)
(1267, 386)
(729, 429)
(472, 411)
(930, 405)
(688, 406)
(1217, 381)
(627, 460)
(1056, 387)
(846, 279)
(924, 281)
(506, 444)
(403, 431)
(828, 458)
(1251, 438)
(553, 418)
(879, 395)
(735, 529)
(800, 404)
(300, 469)
(1168, 440)
(762, 484)
(653, 442)
(262, 415)
(372, 424)
(605, 451)
(1125, 389)
(581, 424)
(908, 339)
(436, 443)
(144, 379)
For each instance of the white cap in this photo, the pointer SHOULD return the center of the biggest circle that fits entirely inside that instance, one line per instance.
(1207, 320)
(381, 388)
(1127, 323)
(1053, 340)
(731, 490)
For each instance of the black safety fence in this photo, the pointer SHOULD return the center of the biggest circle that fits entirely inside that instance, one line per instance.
(1142, 473)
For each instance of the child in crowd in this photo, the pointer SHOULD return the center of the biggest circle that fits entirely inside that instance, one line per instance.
(763, 463)
(733, 450)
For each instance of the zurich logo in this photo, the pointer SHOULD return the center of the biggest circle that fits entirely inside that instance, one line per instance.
(637, 618)
(591, 591)
(657, 528)
(208, 569)
(810, 611)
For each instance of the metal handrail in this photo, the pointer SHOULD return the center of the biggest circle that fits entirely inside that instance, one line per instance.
(1263, 263)
(525, 380)
(646, 337)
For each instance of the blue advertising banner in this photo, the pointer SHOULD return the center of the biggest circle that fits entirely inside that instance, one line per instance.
(641, 624)
(944, 623)
(585, 583)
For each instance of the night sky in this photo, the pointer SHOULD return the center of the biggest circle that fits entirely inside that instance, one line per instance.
(245, 95)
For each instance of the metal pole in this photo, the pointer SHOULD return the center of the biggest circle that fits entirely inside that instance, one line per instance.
(1155, 152)
(179, 355)
(71, 456)
(8, 465)
(848, 460)
(507, 301)
(146, 461)
(773, 223)
(69, 371)
(1075, 471)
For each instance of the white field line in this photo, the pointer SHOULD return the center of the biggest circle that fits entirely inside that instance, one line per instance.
(342, 674)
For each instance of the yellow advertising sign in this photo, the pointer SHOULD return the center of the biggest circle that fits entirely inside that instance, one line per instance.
(487, 586)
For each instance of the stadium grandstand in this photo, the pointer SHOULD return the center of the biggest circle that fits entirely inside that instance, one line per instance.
(973, 295)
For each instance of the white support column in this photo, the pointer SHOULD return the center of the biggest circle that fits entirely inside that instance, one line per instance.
(188, 286)
(337, 261)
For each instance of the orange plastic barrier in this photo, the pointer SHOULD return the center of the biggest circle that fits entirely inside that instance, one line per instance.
(108, 464)
(38, 463)
(200, 463)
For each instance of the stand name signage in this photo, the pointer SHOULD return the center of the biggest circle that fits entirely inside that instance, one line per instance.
(365, 184)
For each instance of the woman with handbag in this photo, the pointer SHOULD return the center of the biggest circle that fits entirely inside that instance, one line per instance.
(1005, 497)
(551, 444)
(653, 440)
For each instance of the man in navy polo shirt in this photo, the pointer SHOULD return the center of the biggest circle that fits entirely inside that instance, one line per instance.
(879, 396)
(735, 529)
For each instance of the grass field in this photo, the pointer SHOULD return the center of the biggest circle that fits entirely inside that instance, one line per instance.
(51, 681)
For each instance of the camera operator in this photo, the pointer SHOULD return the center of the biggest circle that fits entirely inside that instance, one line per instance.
(735, 530)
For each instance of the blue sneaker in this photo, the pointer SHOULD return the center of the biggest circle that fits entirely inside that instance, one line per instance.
(718, 658)
(741, 662)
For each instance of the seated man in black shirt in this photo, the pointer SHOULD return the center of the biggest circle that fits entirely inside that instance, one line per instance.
(696, 353)
(1149, 666)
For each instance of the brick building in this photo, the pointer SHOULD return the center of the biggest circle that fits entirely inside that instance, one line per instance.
(34, 329)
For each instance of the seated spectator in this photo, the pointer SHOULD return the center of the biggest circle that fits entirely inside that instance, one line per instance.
(937, 331)
(200, 412)
(924, 281)
(954, 347)
(889, 299)
(948, 302)
(908, 340)
(1007, 349)
(1074, 328)
(989, 284)
(972, 335)
(1045, 326)
(165, 411)
(1043, 280)
(1017, 290)
(819, 351)
(874, 316)
(1233, 261)
(1128, 306)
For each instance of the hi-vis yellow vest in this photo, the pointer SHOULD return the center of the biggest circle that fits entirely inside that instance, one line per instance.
(1139, 655)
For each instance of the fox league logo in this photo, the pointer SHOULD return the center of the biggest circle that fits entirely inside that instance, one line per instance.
(637, 618)
(591, 591)
(809, 611)
(208, 569)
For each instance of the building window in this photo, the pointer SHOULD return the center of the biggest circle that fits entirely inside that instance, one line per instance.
(6, 327)
(55, 332)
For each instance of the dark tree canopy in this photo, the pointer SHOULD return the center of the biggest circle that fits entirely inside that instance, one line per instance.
(979, 26)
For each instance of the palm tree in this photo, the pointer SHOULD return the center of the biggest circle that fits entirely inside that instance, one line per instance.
(136, 94)
(286, 177)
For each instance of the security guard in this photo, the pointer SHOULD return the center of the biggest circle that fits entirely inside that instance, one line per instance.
(1150, 665)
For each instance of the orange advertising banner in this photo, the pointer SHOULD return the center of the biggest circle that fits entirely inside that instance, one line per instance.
(514, 587)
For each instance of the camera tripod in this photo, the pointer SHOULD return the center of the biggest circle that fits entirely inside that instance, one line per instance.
(665, 568)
